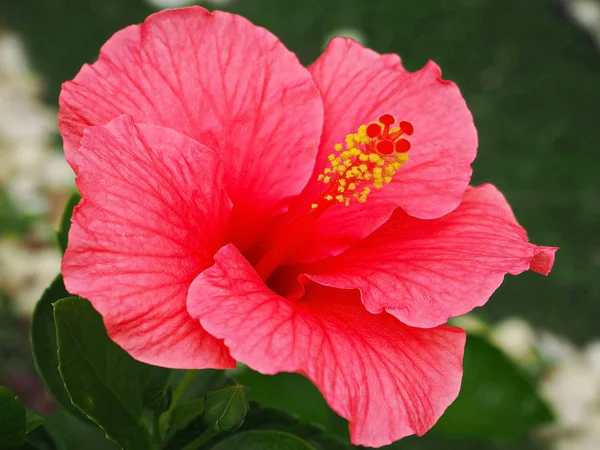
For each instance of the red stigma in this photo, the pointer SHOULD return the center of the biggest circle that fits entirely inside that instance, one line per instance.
(373, 130)
(387, 119)
(406, 127)
(402, 146)
(387, 140)
(385, 147)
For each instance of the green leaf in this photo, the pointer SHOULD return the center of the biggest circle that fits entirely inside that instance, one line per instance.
(263, 440)
(497, 400)
(103, 380)
(12, 419)
(33, 419)
(62, 235)
(226, 408)
(42, 334)
(267, 418)
(70, 433)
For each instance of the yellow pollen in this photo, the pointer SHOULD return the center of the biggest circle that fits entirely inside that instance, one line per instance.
(363, 163)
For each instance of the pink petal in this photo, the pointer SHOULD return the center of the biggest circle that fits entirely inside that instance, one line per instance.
(426, 271)
(388, 379)
(219, 79)
(153, 213)
(358, 86)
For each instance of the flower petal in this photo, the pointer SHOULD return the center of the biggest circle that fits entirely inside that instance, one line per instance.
(153, 213)
(426, 271)
(219, 79)
(358, 86)
(388, 379)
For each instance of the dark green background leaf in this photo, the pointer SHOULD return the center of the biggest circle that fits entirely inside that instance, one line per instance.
(497, 400)
(12, 419)
(62, 235)
(263, 440)
(44, 348)
(102, 379)
(39, 439)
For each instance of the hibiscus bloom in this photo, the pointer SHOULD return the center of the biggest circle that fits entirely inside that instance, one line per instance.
(239, 206)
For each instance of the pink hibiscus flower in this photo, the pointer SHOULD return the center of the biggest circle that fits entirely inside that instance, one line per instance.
(238, 206)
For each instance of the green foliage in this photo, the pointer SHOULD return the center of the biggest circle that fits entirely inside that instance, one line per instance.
(267, 418)
(226, 408)
(62, 235)
(12, 219)
(33, 420)
(12, 420)
(290, 391)
(263, 440)
(103, 380)
(20, 428)
(39, 439)
(497, 400)
(70, 433)
(43, 345)
(180, 416)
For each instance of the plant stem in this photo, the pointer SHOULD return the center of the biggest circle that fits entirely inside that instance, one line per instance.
(182, 387)
(200, 440)
(164, 418)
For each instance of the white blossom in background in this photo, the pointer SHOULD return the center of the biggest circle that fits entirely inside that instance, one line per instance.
(554, 349)
(587, 14)
(570, 383)
(162, 4)
(572, 388)
(592, 357)
(31, 172)
(25, 273)
(29, 167)
(517, 338)
(348, 32)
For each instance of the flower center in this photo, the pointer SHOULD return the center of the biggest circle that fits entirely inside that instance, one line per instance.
(368, 159)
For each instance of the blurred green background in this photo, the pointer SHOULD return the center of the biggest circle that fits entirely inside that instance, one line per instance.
(529, 73)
